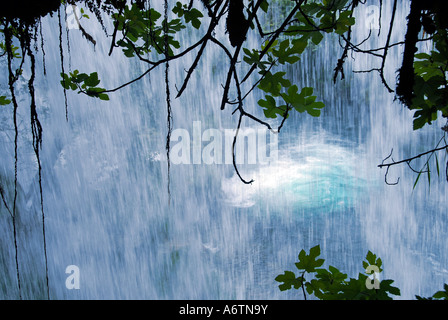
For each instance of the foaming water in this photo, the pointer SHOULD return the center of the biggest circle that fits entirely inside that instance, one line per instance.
(317, 175)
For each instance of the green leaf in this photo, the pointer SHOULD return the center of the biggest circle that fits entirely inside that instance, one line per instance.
(318, 263)
(292, 59)
(268, 103)
(295, 99)
(371, 258)
(80, 78)
(315, 251)
(418, 122)
(193, 16)
(344, 22)
(416, 180)
(309, 263)
(190, 15)
(155, 15)
(331, 278)
(336, 274)
(251, 57)
(264, 6)
(178, 10)
(437, 164)
(66, 80)
(302, 255)
(97, 93)
(313, 112)
(92, 80)
(386, 286)
(312, 107)
(303, 101)
(354, 289)
(289, 280)
(440, 295)
(307, 91)
(270, 108)
(103, 96)
(196, 23)
(317, 37)
(285, 53)
(273, 83)
(4, 101)
(132, 34)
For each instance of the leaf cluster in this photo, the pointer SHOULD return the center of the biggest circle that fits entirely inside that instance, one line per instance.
(4, 101)
(325, 16)
(84, 83)
(15, 54)
(331, 284)
(439, 295)
(142, 33)
(14, 50)
(431, 83)
(191, 15)
(301, 102)
(285, 46)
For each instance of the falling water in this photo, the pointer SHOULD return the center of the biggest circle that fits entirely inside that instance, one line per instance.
(105, 182)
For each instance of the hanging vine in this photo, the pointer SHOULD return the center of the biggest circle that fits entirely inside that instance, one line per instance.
(24, 31)
(168, 98)
(12, 78)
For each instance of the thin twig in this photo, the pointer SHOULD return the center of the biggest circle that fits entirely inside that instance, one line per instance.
(4, 201)
(11, 81)
(168, 99)
(412, 158)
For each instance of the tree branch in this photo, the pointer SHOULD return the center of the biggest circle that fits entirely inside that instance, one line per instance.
(393, 163)
(213, 23)
(274, 37)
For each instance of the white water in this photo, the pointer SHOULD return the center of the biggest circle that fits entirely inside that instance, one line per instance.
(105, 185)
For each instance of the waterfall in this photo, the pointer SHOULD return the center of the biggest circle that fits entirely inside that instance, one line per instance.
(104, 176)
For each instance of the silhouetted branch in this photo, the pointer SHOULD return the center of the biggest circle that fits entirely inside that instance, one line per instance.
(274, 37)
(83, 31)
(387, 170)
(405, 83)
(233, 152)
(114, 34)
(156, 64)
(393, 163)
(61, 55)
(285, 116)
(213, 23)
(168, 98)
(340, 65)
(410, 41)
(386, 47)
(409, 160)
(4, 201)
(11, 80)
